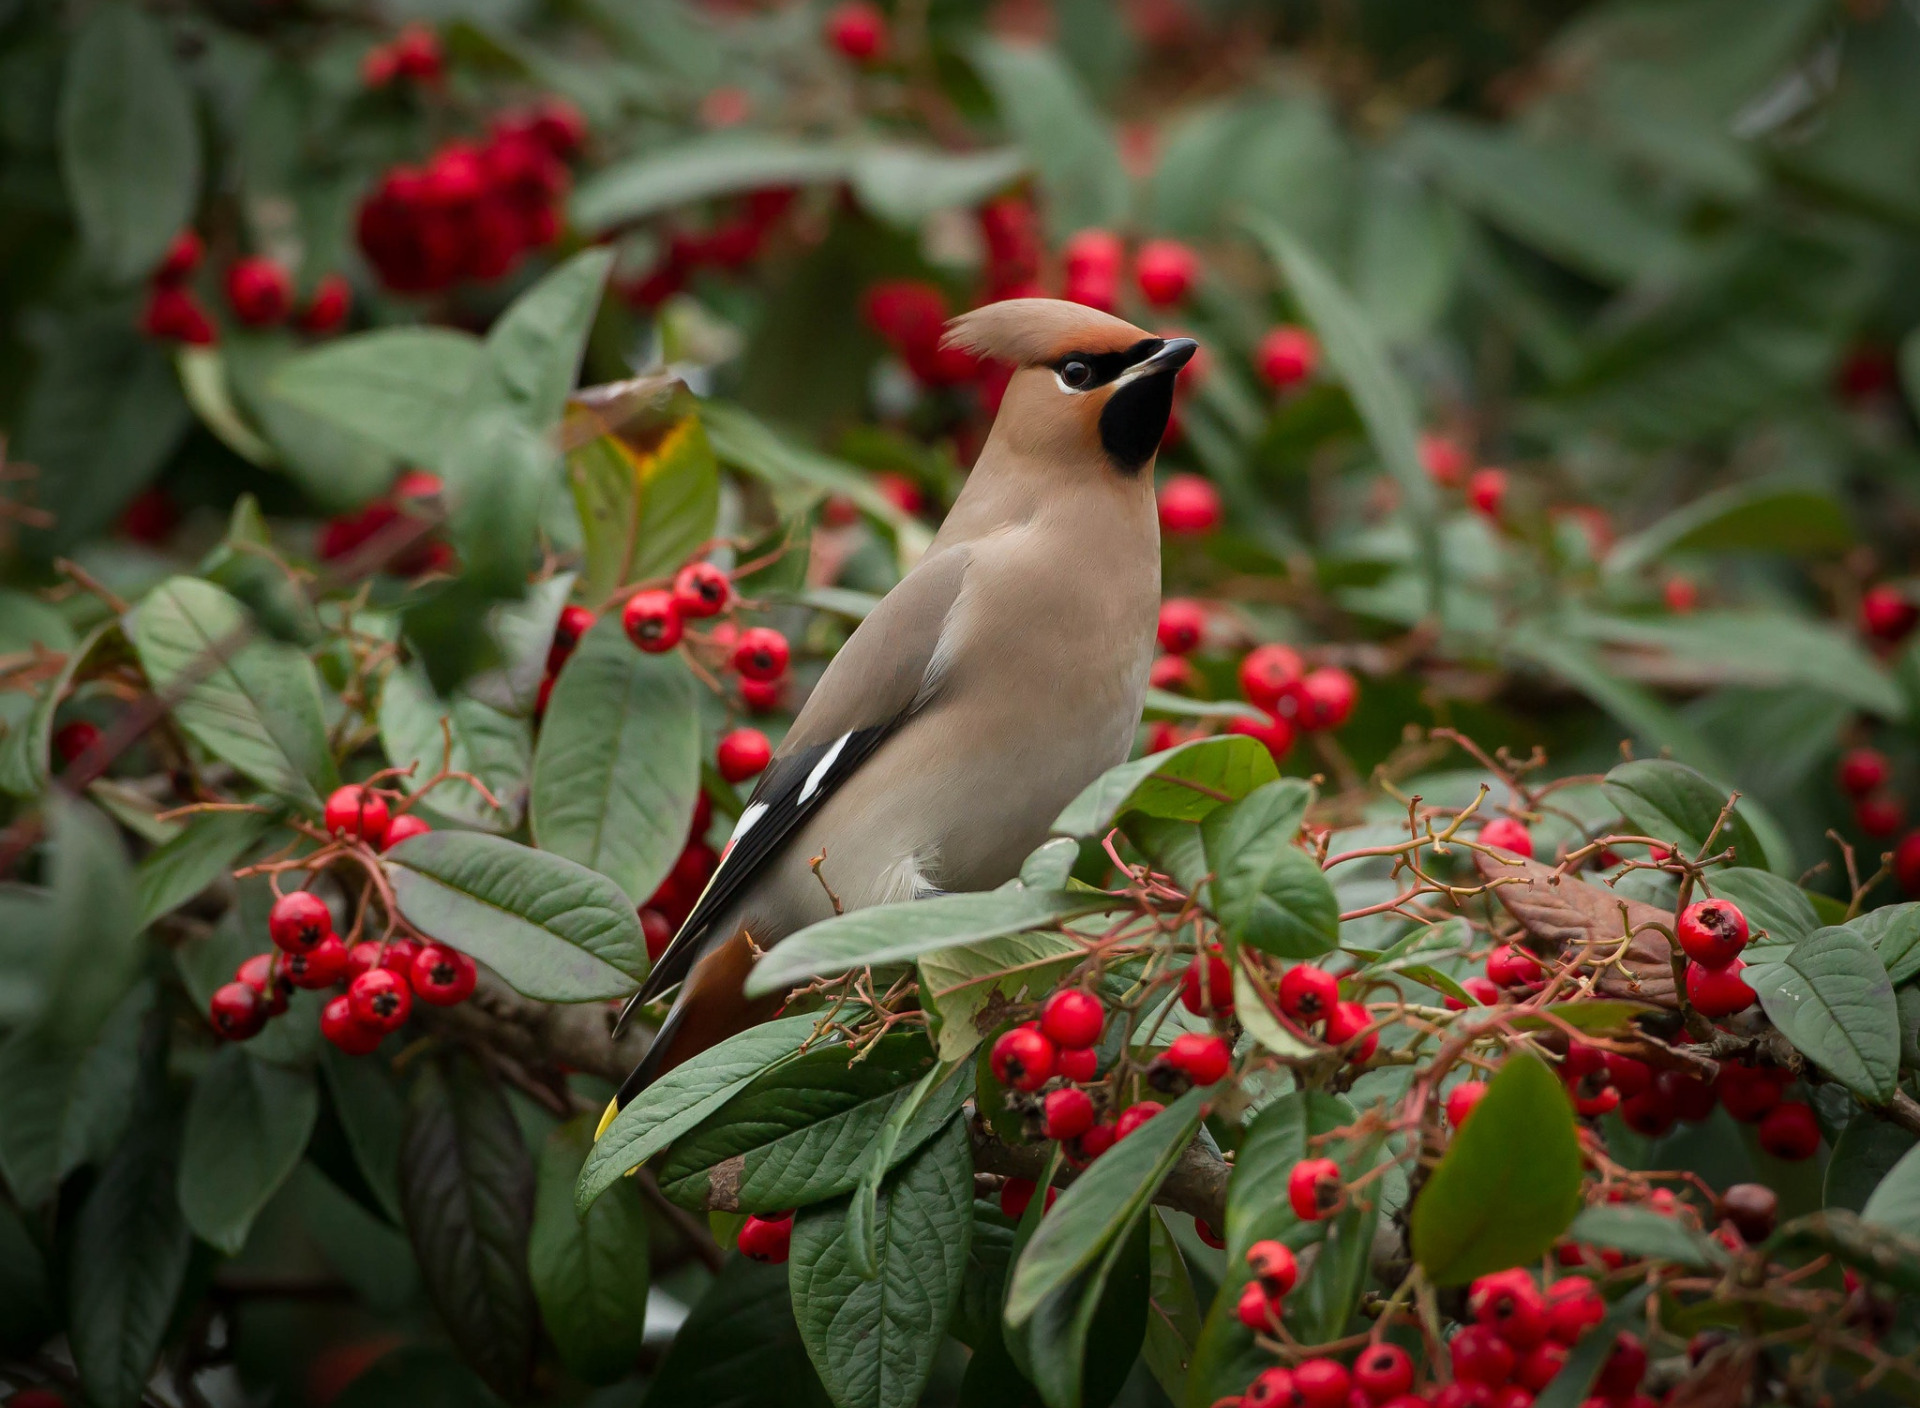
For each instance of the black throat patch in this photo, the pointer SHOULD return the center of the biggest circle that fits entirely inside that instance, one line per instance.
(1134, 419)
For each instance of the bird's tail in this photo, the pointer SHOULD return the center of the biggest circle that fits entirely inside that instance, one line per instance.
(711, 1007)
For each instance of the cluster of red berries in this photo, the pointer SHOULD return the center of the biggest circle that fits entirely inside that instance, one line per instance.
(767, 1236)
(475, 208)
(669, 905)
(259, 291)
(910, 316)
(1094, 261)
(382, 979)
(413, 55)
(1712, 933)
(1309, 998)
(1865, 776)
(1651, 1102)
(729, 244)
(343, 534)
(1449, 465)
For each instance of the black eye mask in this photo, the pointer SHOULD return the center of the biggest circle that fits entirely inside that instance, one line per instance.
(1108, 365)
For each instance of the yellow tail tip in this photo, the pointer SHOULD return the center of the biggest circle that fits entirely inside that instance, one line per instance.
(613, 1108)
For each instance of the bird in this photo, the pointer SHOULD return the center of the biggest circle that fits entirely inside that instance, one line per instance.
(1003, 673)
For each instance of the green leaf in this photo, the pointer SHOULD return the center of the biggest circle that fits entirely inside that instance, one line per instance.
(892, 933)
(494, 747)
(128, 145)
(1830, 996)
(259, 709)
(364, 1100)
(24, 746)
(805, 1130)
(1063, 134)
(1173, 1316)
(549, 926)
(1550, 649)
(969, 987)
(948, 1084)
(127, 1262)
(904, 185)
(618, 765)
(534, 348)
(247, 1125)
(1894, 932)
(739, 1348)
(1642, 1232)
(1754, 517)
(404, 389)
(590, 1274)
(27, 1318)
(336, 467)
(522, 636)
(1183, 783)
(1083, 1340)
(203, 379)
(1861, 1158)
(467, 1186)
(245, 566)
(501, 474)
(1356, 355)
(1101, 1205)
(1673, 802)
(643, 512)
(683, 1097)
(1266, 891)
(1895, 1204)
(96, 948)
(1508, 1184)
(873, 1341)
(1770, 902)
(710, 165)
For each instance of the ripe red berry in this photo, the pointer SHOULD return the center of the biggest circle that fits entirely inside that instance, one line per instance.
(1749, 1092)
(237, 1011)
(1172, 672)
(1287, 356)
(1308, 994)
(442, 976)
(1322, 1383)
(1790, 1131)
(321, 966)
(1906, 863)
(1166, 271)
(658, 931)
(1864, 770)
(1508, 835)
(1480, 1356)
(1461, 1100)
(1183, 625)
(1444, 459)
(743, 753)
(1510, 966)
(299, 921)
(1886, 613)
(1206, 988)
(72, 739)
(1271, 1388)
(1189, 506)
(181, 259)
(859, 31)
(346, 1031)
(1078, 1064)
(1712, 932)
(380, 998)
(175, 315)
(700, 590)
(1131, 1119)
(1383, 1372)
(417, 54)
(762, 696)
(652, 621)
(1314, 1189)
(766, 1238)
(327, 309)
(35, 1398)
(1209, 1234)
(1016, 1194)
(1273, 1266)
(1094, 251)
(1068, 1113)
(1626, 1365)
(1275, 733)
(1201, 1059)
(1719, 992)
(1487, 491)
(1022, 1058)
(1879, 815)
(259, 290)
(1255, 1310)
(1326, 699)
(1628, 1076)
(573, 625)
(761, 653)
(1647, 1113)
(1072, 1019)
(357, 813)
(1481, 989)
(268, 978)
(1689, 1097)
(1347, 1021)
(1574, 1306)
(1266, 672)
(403, 828)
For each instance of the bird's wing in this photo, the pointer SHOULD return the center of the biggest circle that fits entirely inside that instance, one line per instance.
(888, 668)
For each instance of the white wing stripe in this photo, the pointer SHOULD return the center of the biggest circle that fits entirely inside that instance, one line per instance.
(821, 768)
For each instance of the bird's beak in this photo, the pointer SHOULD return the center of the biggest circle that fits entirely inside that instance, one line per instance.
(1170, 358)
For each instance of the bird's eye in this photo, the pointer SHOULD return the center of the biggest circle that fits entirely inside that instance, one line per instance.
(1076, 374)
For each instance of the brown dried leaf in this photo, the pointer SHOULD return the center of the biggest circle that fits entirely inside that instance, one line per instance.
(1568, 913)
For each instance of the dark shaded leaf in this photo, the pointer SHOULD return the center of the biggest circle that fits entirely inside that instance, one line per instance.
(590, 1274)
(207, 848)
(739, 1348)
(26, 1291)
(247, 1125)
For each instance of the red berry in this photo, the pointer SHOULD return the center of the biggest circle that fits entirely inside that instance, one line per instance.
(442, 976)
(175, 315)
(1628, 1076)
(1487, 491)
(1307, 993)
(1719, 992)
(1481, 1356)
(1072, 1019)
(1626, 1365)
(1689, 1097)
(1383, 1372)
(1206, 988)
(1647, 1113)
(1202, 1059)
(1864, 770)
(1446, 462)
(1461, 1100)
(1574, 1306)
(1068, 1113)
(1094, 252)
(1712, 932)
(743, 753)
(35, 1398)
(1327, 697)
(1508, 835)
(259, 290)
(1322, 1383)
(1906, 863)
(381, 998)
(1172, 672)
(1510, 966)
(237, 1011)
(1266, 672)
(346, 1031)
(1254, 1310)
(1100, 1138)
(658, 931)
(762, 696)
(1183, 625)
(573, 625)
(761, 654)
(859, 31)
(1166, 271)
(1274, 732)
(321, 966)
(1079, 1064)
(181, 259)
(1271, 1388)
(700, 590)
(1314, 1189)
(379, 66)
(1022, 1058)
(357, 813)
(1016, 1195)
(299, 921)
(652, 621)
(1189, 506)
(417, 54)
(327, 310)
(1131, 1119)
(1790, 1131)
(1879, 815)
(404, 828)
(1680, 593)
(1752, 1208)
(1886, 613)
(1347, 1021)
(268, 978)
(766, 1238)
(1274, 1267)
(1287, 356)
(71, 740)
(1481, 989)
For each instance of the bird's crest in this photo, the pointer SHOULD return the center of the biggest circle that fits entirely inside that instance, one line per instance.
(1037, 331)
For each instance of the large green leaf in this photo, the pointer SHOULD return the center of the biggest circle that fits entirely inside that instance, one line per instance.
(552, 928)
(968, 987)
(1183, 783)
(128, 145)
(1509, 1182)
(1895, 1204)
(467, 1186)
(1082, 1341)
(1063, 134)
(618, 766)
(416, 728)
(739, 1348)
(711, 165)
(1861, 1158)
(404, 389)
(364, 1098)
(873, 1340)
(1173, 1318)
(1894, 932)
(589, 1273)
(1754, 517)
(501, 476)
(247, 1125)
(1671, 801)
(1266, 891)
(893, 933)
(643, 512)
(258, 709)
(95, 951)
(1546, 647)
(522, 635)
(1769, 901)
(1642, 1232)
(1831, 997)
(685, 1096)
(534, 348)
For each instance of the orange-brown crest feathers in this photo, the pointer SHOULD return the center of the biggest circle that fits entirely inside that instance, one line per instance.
(1035, 331)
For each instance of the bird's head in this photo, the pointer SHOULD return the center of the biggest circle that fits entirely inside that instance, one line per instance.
(1084, 382)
